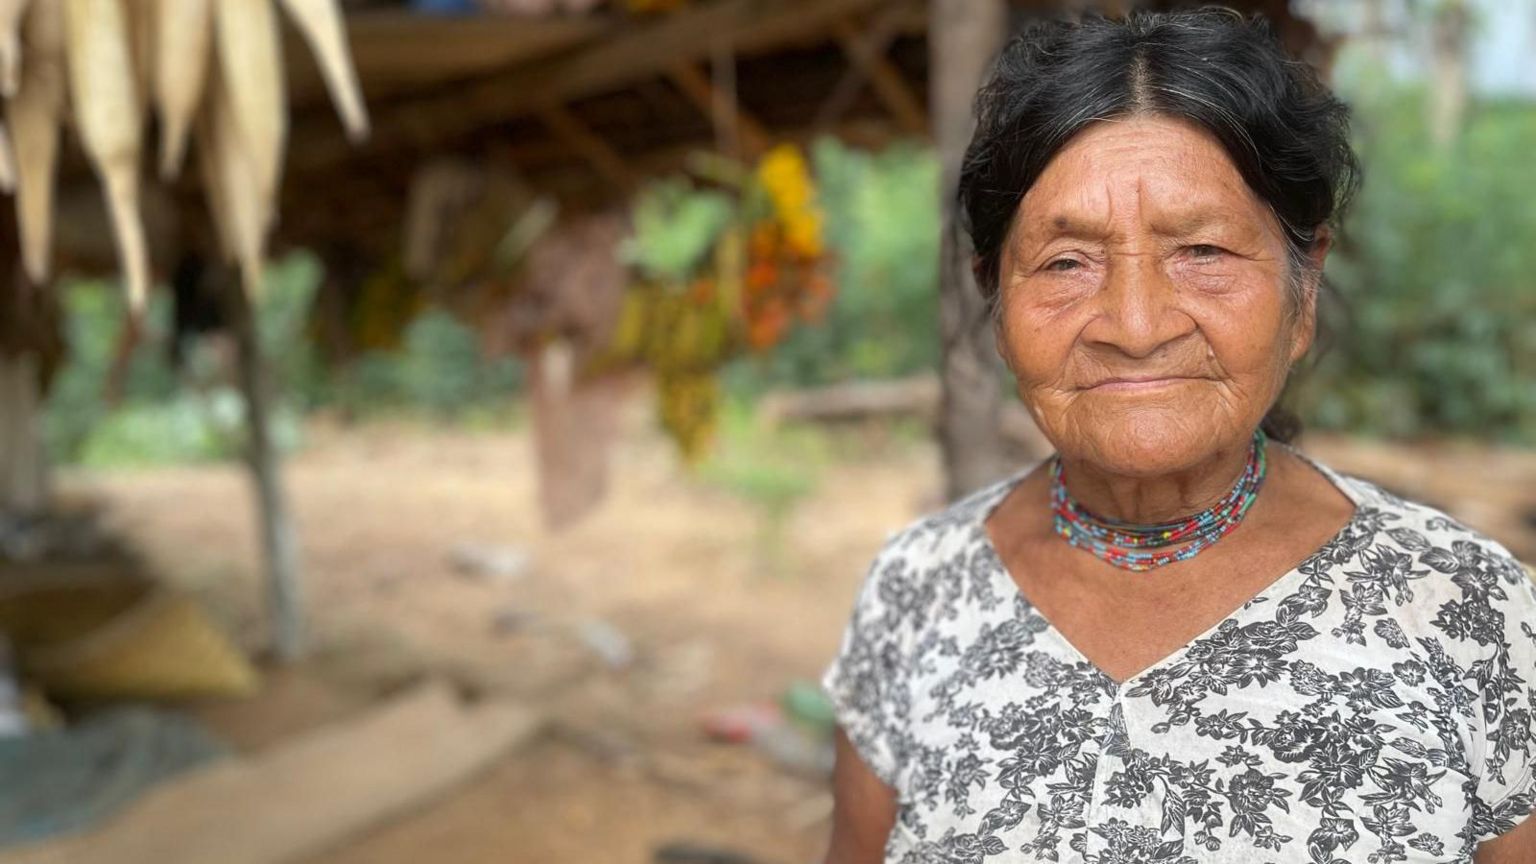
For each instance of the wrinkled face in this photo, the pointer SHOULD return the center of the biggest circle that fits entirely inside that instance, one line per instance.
(1146, 306)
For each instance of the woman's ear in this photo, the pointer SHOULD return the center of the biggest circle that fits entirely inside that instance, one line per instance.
(1000, 339)
(1305, 329)
(1322, 244)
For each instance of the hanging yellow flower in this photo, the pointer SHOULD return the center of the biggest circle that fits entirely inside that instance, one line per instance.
(786, 177)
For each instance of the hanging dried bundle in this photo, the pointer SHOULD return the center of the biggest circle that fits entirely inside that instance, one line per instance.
(211, 69)
(99, 51)
(34, 115)
(320, 22)
(181, 70)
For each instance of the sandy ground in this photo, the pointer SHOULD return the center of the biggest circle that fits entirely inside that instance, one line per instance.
(671, 562)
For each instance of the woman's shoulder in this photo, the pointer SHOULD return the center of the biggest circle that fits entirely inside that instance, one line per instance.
(939, 563)
(939, 533)
(1449, 569)
(1420, 527)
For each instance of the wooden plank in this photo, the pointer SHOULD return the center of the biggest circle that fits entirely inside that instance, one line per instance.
(866, 51)
(592, 147)
(308, 794)
(628, 56)
(702, 92)
(397, 52)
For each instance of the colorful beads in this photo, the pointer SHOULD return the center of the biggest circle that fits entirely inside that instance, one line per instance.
(1124, 544)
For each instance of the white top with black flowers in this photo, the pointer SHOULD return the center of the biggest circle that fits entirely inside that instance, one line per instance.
(1372, 705)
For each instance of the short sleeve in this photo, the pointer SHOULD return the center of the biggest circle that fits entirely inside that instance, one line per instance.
(1506, 788)
(867, 679)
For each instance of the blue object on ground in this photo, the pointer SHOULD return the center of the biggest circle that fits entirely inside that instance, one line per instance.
(65, 781)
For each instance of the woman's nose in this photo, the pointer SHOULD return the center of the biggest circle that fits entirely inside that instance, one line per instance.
(1138, 307)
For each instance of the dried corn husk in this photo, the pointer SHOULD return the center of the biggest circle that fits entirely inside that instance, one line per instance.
(11, 15)
(320, 22)
(7, 163)
(34, 115)
(250, 61)
(184, 32)
(98, 47)
(142, 39)
(231, 181)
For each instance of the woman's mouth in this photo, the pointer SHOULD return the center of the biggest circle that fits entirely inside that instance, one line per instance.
(1140, 383)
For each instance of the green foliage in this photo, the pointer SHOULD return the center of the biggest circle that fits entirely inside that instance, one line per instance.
(882, 226)
(282, 318)
(774, 469)
(189, 427)
(168, 415)
(77, 403)
(676, 226)
(1438, 270)
(439, 371)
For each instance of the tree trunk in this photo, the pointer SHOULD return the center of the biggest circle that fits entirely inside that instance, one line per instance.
(23, 462)
(964, 36)
(1448, 82)
(279, 543)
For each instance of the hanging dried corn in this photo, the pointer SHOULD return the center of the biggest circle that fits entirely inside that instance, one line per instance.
(7, 163)
(213, 69)
(34, 115)
(11, 15)
(320, 22)
(231, 183)
(183, 31)
(250, 65)
(98, 48)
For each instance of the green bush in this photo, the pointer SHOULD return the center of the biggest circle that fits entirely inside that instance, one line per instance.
(1437, 268)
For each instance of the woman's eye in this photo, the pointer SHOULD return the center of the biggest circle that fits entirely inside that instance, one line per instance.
(1204, 250)
(1062, 265)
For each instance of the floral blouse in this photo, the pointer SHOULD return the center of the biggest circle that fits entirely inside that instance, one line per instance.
(1372, 705)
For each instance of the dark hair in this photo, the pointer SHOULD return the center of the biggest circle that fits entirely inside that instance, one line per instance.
(1281, 126)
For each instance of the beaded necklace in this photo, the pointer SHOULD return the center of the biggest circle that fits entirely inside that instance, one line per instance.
(1125, 544)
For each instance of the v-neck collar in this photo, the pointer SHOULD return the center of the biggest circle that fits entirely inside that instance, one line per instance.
(1004, 581)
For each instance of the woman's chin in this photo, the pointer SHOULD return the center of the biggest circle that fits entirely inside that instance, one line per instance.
(1152, 443)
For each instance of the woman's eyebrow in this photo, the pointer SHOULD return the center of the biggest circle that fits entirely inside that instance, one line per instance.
(1066, 225)
(1190, 223)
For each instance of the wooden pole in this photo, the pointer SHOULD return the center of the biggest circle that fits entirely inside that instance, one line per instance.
(964, 36)
(279, 541)
(23, 460)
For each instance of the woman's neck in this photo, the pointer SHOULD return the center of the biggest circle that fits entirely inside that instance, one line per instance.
(1151, 500)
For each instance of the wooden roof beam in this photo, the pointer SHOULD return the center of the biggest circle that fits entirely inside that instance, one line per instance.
(866, 52)
(722, 108)
(603, 158)
(601, 65)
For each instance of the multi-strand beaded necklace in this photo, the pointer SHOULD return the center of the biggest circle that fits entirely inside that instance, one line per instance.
(1131, 546)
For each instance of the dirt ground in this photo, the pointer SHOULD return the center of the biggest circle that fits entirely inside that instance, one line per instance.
(669, 561)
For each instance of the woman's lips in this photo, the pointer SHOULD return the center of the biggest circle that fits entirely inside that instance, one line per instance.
(1134, 385)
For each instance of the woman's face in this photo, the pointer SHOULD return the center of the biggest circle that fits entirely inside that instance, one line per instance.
(1145, 302)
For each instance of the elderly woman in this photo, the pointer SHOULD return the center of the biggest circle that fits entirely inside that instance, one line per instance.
(1178, 640)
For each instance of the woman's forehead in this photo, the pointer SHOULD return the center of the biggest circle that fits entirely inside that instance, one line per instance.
(1151, 169)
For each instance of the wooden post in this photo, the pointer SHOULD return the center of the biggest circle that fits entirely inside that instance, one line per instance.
(279, 542)
(964, 36)
(23, 460)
